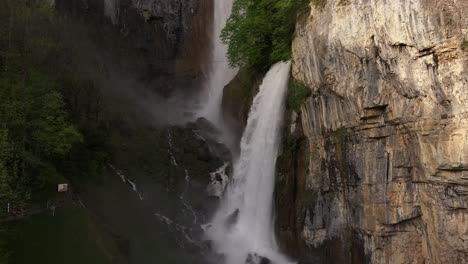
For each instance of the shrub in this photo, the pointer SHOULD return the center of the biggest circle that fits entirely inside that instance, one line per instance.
(465, 45)
(259, 32)
(340, 135)
(298, 93)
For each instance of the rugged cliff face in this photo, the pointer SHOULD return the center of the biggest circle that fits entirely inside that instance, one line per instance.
(160, 46)
(159, 180)
(382, 175)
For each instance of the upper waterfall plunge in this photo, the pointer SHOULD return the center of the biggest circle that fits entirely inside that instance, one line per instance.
(243, 228)
(220, 73)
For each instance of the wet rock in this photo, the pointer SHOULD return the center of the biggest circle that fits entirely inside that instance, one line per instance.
(212, 136)
(254, 258)
(219, 181)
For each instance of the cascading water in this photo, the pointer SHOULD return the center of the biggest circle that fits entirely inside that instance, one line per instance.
(243, 228)
(220, 73)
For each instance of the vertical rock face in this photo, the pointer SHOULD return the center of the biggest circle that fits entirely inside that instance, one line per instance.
(160, 43)
(382, 176)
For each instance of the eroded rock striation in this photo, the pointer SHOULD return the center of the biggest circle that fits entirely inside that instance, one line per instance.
(381, 175)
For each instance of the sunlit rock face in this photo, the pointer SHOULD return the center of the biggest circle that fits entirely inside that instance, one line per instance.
(383, 174)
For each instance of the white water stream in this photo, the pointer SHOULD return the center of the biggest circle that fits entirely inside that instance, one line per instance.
(243, 227)
(220, 73)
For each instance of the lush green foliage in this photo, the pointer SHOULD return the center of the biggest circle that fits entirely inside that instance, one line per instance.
(259, 32)
(42, 137)
(35, 129)
(292, 143)
(298, 92)
(35, 126)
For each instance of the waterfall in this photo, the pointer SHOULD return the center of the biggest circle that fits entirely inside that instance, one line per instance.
(243, 228)
(111, 10)
(220, 73)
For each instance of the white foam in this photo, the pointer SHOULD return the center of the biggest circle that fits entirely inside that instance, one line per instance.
(220, 73)
(244, 224)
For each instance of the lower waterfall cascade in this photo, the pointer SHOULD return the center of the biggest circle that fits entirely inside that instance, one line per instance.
(242, 230)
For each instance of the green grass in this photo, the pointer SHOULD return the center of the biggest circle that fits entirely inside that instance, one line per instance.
(69, 237)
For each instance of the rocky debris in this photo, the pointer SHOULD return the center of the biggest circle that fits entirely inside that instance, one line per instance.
(219, 181)
(382, 176)
(254, 258)
(160, 202)
(205, 131)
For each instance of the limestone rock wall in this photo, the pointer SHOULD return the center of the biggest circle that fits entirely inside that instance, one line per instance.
(385, 171)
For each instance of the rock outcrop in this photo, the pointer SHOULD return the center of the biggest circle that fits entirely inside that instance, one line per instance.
(153, 194)
(161, 45)
(382, 175)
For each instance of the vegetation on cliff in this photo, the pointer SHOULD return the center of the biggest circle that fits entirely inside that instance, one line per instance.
(51, 131)
(34, 126)
(56, 125)
(465, 45)
(45, 138)
(298, 93)
(259, 33)
(48, 130)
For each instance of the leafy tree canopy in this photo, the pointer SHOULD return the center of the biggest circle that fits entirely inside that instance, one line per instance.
(259, 32)
(34, 126)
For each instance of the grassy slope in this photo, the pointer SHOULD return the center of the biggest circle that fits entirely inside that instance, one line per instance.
(71, 236)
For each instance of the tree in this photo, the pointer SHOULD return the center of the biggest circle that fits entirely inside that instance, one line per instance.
(33, 112)
(259, 32)
(6, 192)
(35, 130)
